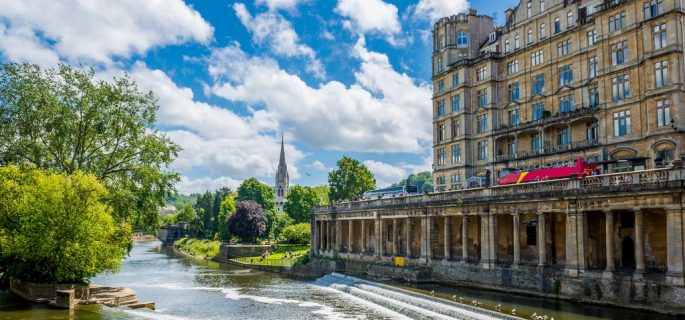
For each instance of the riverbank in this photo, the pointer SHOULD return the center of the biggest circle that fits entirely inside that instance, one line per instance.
(199, 249)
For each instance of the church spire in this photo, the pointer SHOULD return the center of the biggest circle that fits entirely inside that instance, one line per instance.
(282, 179)
(281, 161)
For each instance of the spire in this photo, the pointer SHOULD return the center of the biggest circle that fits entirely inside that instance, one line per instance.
(281, 161)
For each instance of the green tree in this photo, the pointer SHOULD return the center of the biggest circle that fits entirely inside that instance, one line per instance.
(252, 189)
(248, 221)
(300, 202)
(322, 193)
(422, 180)
(350, 180)
(64, 119)
(297, 233)
(275, 222)
(227, 208)
(187, 214)
(56, 227)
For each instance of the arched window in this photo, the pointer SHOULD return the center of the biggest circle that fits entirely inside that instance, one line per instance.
(462, 39)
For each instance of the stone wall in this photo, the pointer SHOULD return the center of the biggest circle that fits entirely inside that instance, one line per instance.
(41, 292)
(230, 251)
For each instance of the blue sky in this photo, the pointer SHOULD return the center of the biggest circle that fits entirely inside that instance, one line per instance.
(348, 77)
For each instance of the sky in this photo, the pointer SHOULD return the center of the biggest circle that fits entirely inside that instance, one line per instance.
(332, 78)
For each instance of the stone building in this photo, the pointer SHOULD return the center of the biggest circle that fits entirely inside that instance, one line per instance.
(282, 181)
(601, 79)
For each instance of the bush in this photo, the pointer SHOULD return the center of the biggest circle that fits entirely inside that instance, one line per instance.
(297, 233)
(248, 221)
(199, 248)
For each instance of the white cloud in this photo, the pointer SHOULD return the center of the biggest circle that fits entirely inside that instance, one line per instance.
(273, 29)
(95, 30)
(200, 185)
(433, 10)
(371, 16)
(384, 111)
(317, 165)
(274, 5)
(384, 173)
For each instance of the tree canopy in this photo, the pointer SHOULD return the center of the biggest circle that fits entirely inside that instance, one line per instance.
(226, 209)
(350, 180)
(55, 227)
(64, 119)
(300, 202)
(422, 180)
(248, 221)
(252, 189)
(322, 192)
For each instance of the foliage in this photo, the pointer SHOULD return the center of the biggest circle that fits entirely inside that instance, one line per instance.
(284, 255)
(199, 248)
(300, 202)
(350, 180)
(55, 227)
(252, 189)
(297, 233)
(275, 222)
(187, 214)
(209, 205)
(248, 221)
(181, 200)
(422, 180)
(226, 209)
(322, 192)
(65, 120)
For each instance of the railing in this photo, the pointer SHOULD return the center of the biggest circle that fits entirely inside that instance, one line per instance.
(548, 150)
(266, 262)
(629, 181)
(580, 112)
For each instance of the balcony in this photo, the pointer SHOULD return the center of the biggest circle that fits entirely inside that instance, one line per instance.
(567, 147)
(581, 112)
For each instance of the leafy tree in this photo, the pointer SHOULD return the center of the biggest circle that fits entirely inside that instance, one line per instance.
(322, 193)
(55, 227)
(180, 200)
(248, 221)
(297, 233)
(350, 180)
(300, 202)
(187, 214)
(227, 208)
(63, 119)
(252, 189)
(275, 222)
(422, 180)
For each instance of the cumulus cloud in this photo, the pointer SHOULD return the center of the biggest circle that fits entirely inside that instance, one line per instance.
(318, 165)
(275, 31)
(200, 185)
(274, 5)
(372, 17)
(384, 111)
(41, 31)
(433, 10)
(384, 173)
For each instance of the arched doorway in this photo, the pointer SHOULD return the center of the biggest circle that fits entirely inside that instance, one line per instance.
(628, 253)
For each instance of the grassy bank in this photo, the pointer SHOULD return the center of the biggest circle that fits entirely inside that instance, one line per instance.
(205, 249)
(285, 255)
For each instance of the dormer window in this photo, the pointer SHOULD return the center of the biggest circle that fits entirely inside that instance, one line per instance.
(493, 36)
(462, 39)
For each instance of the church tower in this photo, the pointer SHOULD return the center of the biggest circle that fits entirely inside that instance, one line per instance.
(282, 180)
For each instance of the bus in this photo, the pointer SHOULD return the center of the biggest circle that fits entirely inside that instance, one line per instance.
(579, 169)
(391, 191)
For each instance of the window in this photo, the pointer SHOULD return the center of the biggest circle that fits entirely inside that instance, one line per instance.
(441, 180)
(530, 36)
(513, 67)
(620, 87)
(442, 42)
(592, 66)
(666, 154)
(517, 41)
(455, 178)
(566, 103)
(542, 5)
(482, 123)
(456, 153)
(563, 136)
(462, 39)
(481, 73)
(441, 67)
(543, 30)
(621, 123)
(619, 53)
(592, 130)
(456, 102)
(563, 48)
(565, 75)
(514, 92)
(557, 25)
(569, 20)
(537, 58)
(594, 97)
(617, 22)
(441, 108)
(538, 110)
(482, 150)
(456, 128)
(538, 84)
(663, 113)
(529, 6)
(506, 46)
(441, 86)
(441, 156)
(441, 132)
(661, 74)
(535, 141)
(511, 146)
(653, 8)
(531, 234)
(591, 37)
(482, 98)
(660, 36)
(514, 117)
(455, 79)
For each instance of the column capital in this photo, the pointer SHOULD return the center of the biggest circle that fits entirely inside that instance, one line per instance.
(515, 214)
(608, 211)
(539, 212)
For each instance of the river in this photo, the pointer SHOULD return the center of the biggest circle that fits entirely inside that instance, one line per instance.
(184, 288)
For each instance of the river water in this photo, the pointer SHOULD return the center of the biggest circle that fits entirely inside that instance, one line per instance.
(184, 288)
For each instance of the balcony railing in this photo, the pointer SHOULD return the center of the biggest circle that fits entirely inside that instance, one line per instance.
(581, 112)
(615, 182)
(548, 150)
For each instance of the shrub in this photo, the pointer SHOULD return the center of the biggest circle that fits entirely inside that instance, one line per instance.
(297, 233)
(248, 221)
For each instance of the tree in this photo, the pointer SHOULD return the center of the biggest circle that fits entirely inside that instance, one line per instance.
(187, 214)
(56, 227)
(227, 208)
(252, 189)
(322, 193)
(350, 180)
(300, 203)
(422, 180)
(275, 222)
(297, 233)
(65, 120)
(248, 221)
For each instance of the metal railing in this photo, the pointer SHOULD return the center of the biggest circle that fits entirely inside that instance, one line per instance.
(580, 112)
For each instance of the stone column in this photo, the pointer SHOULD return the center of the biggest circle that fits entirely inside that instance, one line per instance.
(364, 240)
(337, 224)
(379, 249)
(581, 238)
(395, 237)
(410, 234)
(542, 241)
(611, 263)
(429, 237)
(674, 251)
(317, 235)
(383, 236)
(492, 238)
(465, 238)
(424, 240)
(640, 241)
(517, 239)
(571, 244)
(350, 235)
(447, 238)
(484, 241)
